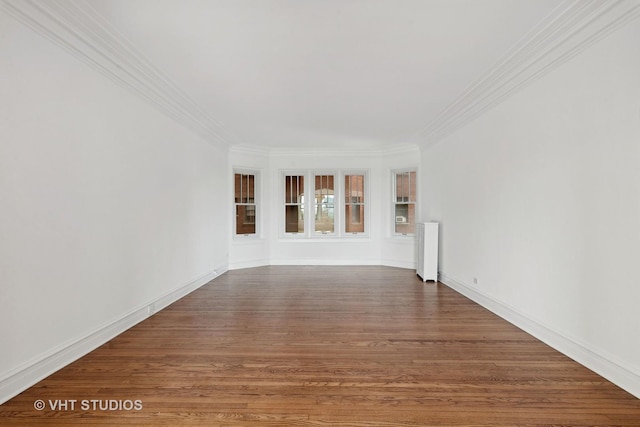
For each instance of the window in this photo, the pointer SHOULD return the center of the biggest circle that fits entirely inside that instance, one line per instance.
(294, 203)
(354, 203)
(324, 204)
(245, 190)
(335, 204)
(405, 202)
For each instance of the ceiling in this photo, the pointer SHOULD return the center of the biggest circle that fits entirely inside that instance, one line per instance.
(323, 74)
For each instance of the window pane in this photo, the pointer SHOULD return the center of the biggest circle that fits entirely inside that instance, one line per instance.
(324, 220)
(293, 189)
(354, 188)
(294, 219)
(406, 187)
(354, 218)
(245, 219)
(405, 217)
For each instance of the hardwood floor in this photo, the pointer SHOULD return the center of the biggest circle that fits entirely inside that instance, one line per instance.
(325, 346)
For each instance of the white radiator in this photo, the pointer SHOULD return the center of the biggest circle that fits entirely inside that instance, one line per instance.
(427, 253)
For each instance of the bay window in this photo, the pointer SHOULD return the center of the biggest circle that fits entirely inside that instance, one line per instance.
(336, 204)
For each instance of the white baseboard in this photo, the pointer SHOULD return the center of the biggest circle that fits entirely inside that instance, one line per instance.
(599, 362)
(248, 264)
(316, 261)
(21, 378)
(324, 261)
(410, 265)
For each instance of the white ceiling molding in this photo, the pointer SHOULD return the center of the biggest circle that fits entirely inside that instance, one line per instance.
(572, 27)
(250, 150)
(326, 151)
(74, 26)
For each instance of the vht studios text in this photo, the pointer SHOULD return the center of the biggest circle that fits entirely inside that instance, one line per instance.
(88, 405)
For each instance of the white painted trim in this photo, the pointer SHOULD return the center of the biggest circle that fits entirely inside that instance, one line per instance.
(329, 238)
(392, 149)
(298, 152)
(597, 360)
(251, 263)
(324, 261)
(249, 150)
(21, 378)
(409, 265)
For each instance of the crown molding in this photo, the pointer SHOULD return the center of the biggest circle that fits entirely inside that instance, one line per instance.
(388, 150)
(76, 27)
(249, 150)
(570, 28)
(400, 149)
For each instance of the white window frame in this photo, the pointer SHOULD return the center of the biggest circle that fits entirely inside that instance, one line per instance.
(394, 201)
(305, 205)
(343, 204)
(257, 192)
(309, 233)
(312, 202)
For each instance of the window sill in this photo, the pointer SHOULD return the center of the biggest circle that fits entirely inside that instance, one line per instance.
(408, 238)
(316, 239)
(247, 238)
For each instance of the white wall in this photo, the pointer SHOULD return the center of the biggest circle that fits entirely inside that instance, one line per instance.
(539, 199)
(271, 247)
(107, 207)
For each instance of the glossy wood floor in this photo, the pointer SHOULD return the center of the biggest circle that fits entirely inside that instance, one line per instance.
(326, 346)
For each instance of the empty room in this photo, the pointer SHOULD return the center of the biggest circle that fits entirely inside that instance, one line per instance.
(467, 258)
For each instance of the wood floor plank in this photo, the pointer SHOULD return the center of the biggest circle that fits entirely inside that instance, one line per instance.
(326, 346)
